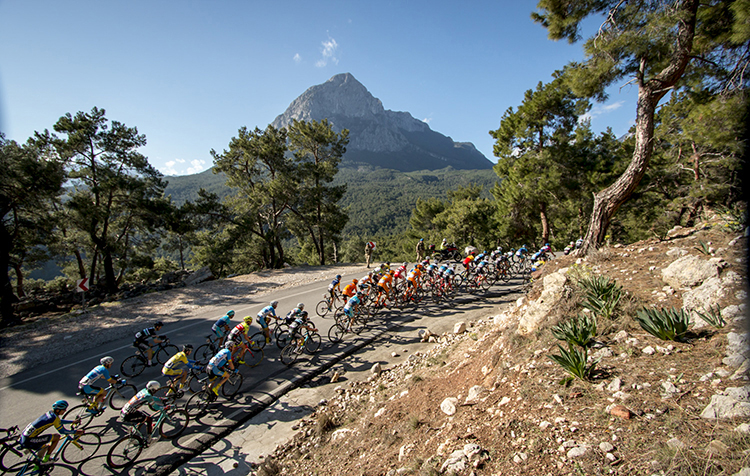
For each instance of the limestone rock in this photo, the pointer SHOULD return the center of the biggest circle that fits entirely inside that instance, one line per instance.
(689, 271)
(733, 402)
(449, 406)
(554, 289)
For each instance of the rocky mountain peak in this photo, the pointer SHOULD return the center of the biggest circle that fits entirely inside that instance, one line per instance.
(379, 136)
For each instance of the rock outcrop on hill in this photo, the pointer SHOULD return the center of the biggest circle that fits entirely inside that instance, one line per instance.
(378, 136)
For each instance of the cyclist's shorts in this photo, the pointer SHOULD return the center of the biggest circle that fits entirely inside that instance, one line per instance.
(349, 312)
(141, 344)
(36, 442)
(167, 371)
(219, 331)
(89, 389)
(262, 322)
(210, 369)
(136, 416)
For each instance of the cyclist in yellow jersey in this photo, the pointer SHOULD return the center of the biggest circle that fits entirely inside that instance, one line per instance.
(176, 367)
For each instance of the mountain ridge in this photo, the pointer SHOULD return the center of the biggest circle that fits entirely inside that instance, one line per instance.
(379, 136)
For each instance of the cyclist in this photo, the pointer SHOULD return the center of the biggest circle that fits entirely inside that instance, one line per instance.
(142, 341)
(350, 289)
(300, 322)
(222, 327)
(351, 307)
(384, 285)
(32, 438)
(467, 261)
(240, 334)
(295, 313)
(335, 287)
(176, 368)
(130, 413)
(366, 282)
(267, 311)
(219, 366)
(86, 387)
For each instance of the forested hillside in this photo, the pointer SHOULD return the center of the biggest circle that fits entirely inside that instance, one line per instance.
(378, 201)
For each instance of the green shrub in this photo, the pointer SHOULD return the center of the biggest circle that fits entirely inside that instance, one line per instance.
(602, 295)
(713, 317)
(573, 361)
(579, 330)
(666, 324)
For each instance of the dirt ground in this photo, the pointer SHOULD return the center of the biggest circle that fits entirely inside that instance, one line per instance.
(526, 422)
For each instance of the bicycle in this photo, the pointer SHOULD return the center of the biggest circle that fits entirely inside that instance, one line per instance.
(308, 340)
(172, 392)
(198, 403)
(258, 340)
(170, 424)
(117, 395)
(74, 449)
(327, 304)
(9, 455)
(252, 358)
(134, 365)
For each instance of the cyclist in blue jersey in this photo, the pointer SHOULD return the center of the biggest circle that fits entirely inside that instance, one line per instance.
(351, 307)
(220, 365)
(222, 327)
(268, 311)
(335, 286)
(87, 387)
(32, 438)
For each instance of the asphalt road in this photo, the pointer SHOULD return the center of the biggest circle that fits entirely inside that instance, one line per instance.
(25, 396)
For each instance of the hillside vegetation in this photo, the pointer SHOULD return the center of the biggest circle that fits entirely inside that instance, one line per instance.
(490, 400)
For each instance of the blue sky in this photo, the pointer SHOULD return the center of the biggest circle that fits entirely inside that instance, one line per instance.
(188, 74)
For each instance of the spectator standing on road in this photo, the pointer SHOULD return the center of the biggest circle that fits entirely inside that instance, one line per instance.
(420, 250)
(369, 248)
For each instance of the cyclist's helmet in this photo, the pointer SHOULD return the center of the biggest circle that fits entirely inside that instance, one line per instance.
(158, 324)
(153, 386)
(406, 264)
(230, 313)
(301, 306)
(229, 344)
(60, 405)
(248, 319)
(355, 281)
(274, 303)
(187, 347)
(338, 276)
(106, 360)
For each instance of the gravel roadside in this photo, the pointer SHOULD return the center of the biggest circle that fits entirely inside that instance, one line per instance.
(52, 338)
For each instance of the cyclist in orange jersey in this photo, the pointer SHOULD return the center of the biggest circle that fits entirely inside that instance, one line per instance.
(350, 289)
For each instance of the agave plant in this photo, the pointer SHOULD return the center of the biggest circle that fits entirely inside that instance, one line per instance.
(713, 317)
(602, 295)
(666, 324)
(579, 330)
(573, 361)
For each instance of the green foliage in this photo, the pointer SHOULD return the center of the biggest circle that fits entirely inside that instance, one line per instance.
(150, 270)
(703, 247)
(574, 361)
(666, 324)
(602, 295)
(713, 317)
(580, 330)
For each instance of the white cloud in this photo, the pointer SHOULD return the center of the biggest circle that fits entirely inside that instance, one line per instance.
(329, 53)
(601, 109)
(177, 167)
(427, 120)
(297, 58)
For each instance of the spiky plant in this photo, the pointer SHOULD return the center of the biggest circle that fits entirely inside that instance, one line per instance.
(666, 324)
(602, 295)
(574, 361)
(579, 330)
(713, 317)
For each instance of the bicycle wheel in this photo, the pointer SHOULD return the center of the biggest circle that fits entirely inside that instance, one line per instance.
(198, 403)
(253, 358)
(174, 423)
(204, 353)
(336, 333)
(321, 308)
(125, 451)
(120, 396)
(81, 448)
(79, 411)
(312, 343)
(133, 366)
(258, 341)
(11, 456)
(289, 353)
(232, 385)
(282, 338)
(166, 352)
